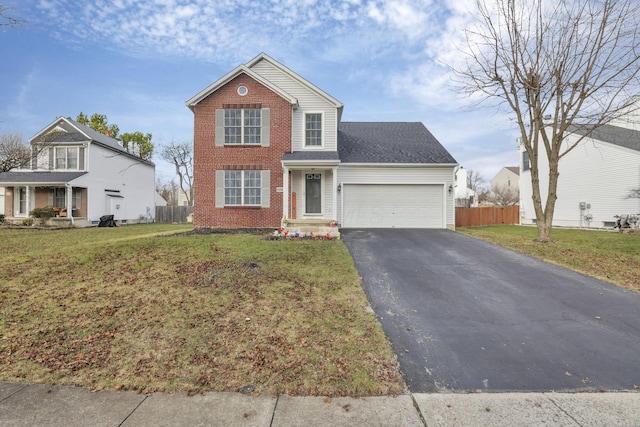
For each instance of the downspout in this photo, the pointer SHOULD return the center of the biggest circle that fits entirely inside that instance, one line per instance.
(69, 202)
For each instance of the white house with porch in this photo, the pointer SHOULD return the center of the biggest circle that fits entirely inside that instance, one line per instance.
(83, 175)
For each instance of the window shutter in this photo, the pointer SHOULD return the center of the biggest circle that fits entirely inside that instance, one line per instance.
(219, 137)
(265, 194)
(51, 198)
(81, 158)
(219, 189)
(51, 154)
(265, 131)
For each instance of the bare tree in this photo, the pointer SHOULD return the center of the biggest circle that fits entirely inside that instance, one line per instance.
(476, 181)
(502, 195)
(6, 20)
(169, 191)
(14, 153)
(180, 155)
(558, 67)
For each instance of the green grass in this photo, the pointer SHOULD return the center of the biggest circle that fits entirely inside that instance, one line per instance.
(614, 257)
(123, 308)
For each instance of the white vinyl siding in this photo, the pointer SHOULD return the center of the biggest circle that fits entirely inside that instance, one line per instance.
(308, 101)
(595, 172)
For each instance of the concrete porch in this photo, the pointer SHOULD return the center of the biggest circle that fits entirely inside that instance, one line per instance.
(319, 225)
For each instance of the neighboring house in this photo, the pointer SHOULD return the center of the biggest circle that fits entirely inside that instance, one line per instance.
(508, 177)
(160, 201)
(182, 198)
(84, 175)
(465, 196)
(270, 149)
(595, 179)
(505, 187)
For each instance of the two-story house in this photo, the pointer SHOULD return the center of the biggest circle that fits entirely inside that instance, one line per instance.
(83, 175)
(270, 149)
(596, 177)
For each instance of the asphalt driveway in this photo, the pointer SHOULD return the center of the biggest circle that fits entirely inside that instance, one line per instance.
(463, 314)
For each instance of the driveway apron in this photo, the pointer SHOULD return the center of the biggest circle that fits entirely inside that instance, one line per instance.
(467, 315)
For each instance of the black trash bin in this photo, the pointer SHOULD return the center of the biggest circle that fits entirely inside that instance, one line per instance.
(106, 221)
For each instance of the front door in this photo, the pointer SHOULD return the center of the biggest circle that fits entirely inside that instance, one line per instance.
(313, 193)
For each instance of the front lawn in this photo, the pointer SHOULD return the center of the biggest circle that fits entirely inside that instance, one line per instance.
(610, 256)
(124, 308)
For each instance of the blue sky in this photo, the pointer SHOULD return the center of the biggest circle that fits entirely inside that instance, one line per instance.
(139, 61)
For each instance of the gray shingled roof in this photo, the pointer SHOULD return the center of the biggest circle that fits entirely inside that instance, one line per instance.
(38, 177)
(311, 155)
(617, 135)
(96, 137)
(389, 142)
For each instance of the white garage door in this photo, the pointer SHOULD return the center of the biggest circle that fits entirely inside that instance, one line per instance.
(392, 205)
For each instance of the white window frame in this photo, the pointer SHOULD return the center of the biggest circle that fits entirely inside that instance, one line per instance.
(66, 158)
(243, 127)
(304, 136)
(243, 187)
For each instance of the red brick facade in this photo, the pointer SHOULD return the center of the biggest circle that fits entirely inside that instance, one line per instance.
(209, 158)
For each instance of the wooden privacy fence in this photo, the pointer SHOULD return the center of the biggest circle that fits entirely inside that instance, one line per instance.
(171, 214)
(474, 217)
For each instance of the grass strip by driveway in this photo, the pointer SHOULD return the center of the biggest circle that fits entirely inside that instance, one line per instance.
(610, 256)
(122, 308)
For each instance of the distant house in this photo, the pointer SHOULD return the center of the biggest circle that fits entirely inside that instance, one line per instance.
(508, 177)
(505, 187)
(465, 196)
(160, 201)
(83, 175)
(271, 149)
(595, 178)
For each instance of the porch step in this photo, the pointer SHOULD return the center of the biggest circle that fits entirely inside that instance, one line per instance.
(320, 226)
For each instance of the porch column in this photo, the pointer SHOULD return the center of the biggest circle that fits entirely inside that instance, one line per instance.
(334, 173)
(285, 192)
(69, 196)
(27, 202)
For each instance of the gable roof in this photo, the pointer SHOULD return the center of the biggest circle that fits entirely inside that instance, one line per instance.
(241, 69)
(617, 135)
(248, 70)
(295, 76)
(390, 142)
(76, 132)
(514, 169)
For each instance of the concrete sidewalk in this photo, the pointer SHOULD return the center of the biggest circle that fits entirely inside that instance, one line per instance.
(41, 405)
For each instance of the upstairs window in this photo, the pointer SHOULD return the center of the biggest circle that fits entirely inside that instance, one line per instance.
(313, 130)
(242, 126)
(66, 157)
(526, 161)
